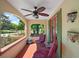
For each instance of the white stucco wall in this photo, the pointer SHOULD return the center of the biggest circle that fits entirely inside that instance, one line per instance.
(70, 49)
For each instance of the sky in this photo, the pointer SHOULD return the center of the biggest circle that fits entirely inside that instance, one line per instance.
(12, 18)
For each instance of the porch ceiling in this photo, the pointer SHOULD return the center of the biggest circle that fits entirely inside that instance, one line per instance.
(50, 5)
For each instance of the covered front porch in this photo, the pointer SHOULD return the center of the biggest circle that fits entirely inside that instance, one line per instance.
(45, 38)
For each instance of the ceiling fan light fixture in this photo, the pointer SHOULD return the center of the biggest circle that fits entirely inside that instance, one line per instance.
(36, 16)
(37, 12)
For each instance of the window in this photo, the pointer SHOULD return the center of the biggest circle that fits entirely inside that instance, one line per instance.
(11, 28)
(37, 29)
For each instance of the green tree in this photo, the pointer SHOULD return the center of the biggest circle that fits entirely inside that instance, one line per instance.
(14, 26)
(4, 22)
(21, 25)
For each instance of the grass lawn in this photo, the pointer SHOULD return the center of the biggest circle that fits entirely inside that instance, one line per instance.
(10, 37)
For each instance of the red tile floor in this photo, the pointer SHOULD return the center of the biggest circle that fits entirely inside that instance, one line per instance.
(27, 51)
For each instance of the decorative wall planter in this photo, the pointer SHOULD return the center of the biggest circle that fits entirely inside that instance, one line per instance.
(73, 36)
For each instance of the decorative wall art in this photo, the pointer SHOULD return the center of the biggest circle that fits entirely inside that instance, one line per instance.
(72, 16)
(73, 36)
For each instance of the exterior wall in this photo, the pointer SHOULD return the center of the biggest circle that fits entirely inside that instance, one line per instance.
(70, 49)
(14, 50)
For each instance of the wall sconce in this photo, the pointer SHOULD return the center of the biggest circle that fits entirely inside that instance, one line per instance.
(73, 36)
(72, 16)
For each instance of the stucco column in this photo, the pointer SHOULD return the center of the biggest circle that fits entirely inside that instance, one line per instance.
(25, 30)
(48, 33)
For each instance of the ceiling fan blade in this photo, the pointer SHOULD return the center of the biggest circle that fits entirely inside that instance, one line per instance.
(27, 10)
(43, 14)
(28, 14)
(41, 9)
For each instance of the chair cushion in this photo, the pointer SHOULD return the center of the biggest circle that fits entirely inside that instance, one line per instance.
(53, 49)
(41, 53)
(41, 38)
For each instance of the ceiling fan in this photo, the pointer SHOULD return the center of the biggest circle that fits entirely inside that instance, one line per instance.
(36, 12)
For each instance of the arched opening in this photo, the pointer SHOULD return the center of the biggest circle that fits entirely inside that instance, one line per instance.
(37, 29)
(11, 28)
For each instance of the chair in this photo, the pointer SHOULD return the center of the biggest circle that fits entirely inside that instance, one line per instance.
(41, 39)
(47, 53)
(52, 52)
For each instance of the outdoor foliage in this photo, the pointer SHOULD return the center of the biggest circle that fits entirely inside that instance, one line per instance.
(37, 29)
(6, 24)
(10, 32)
